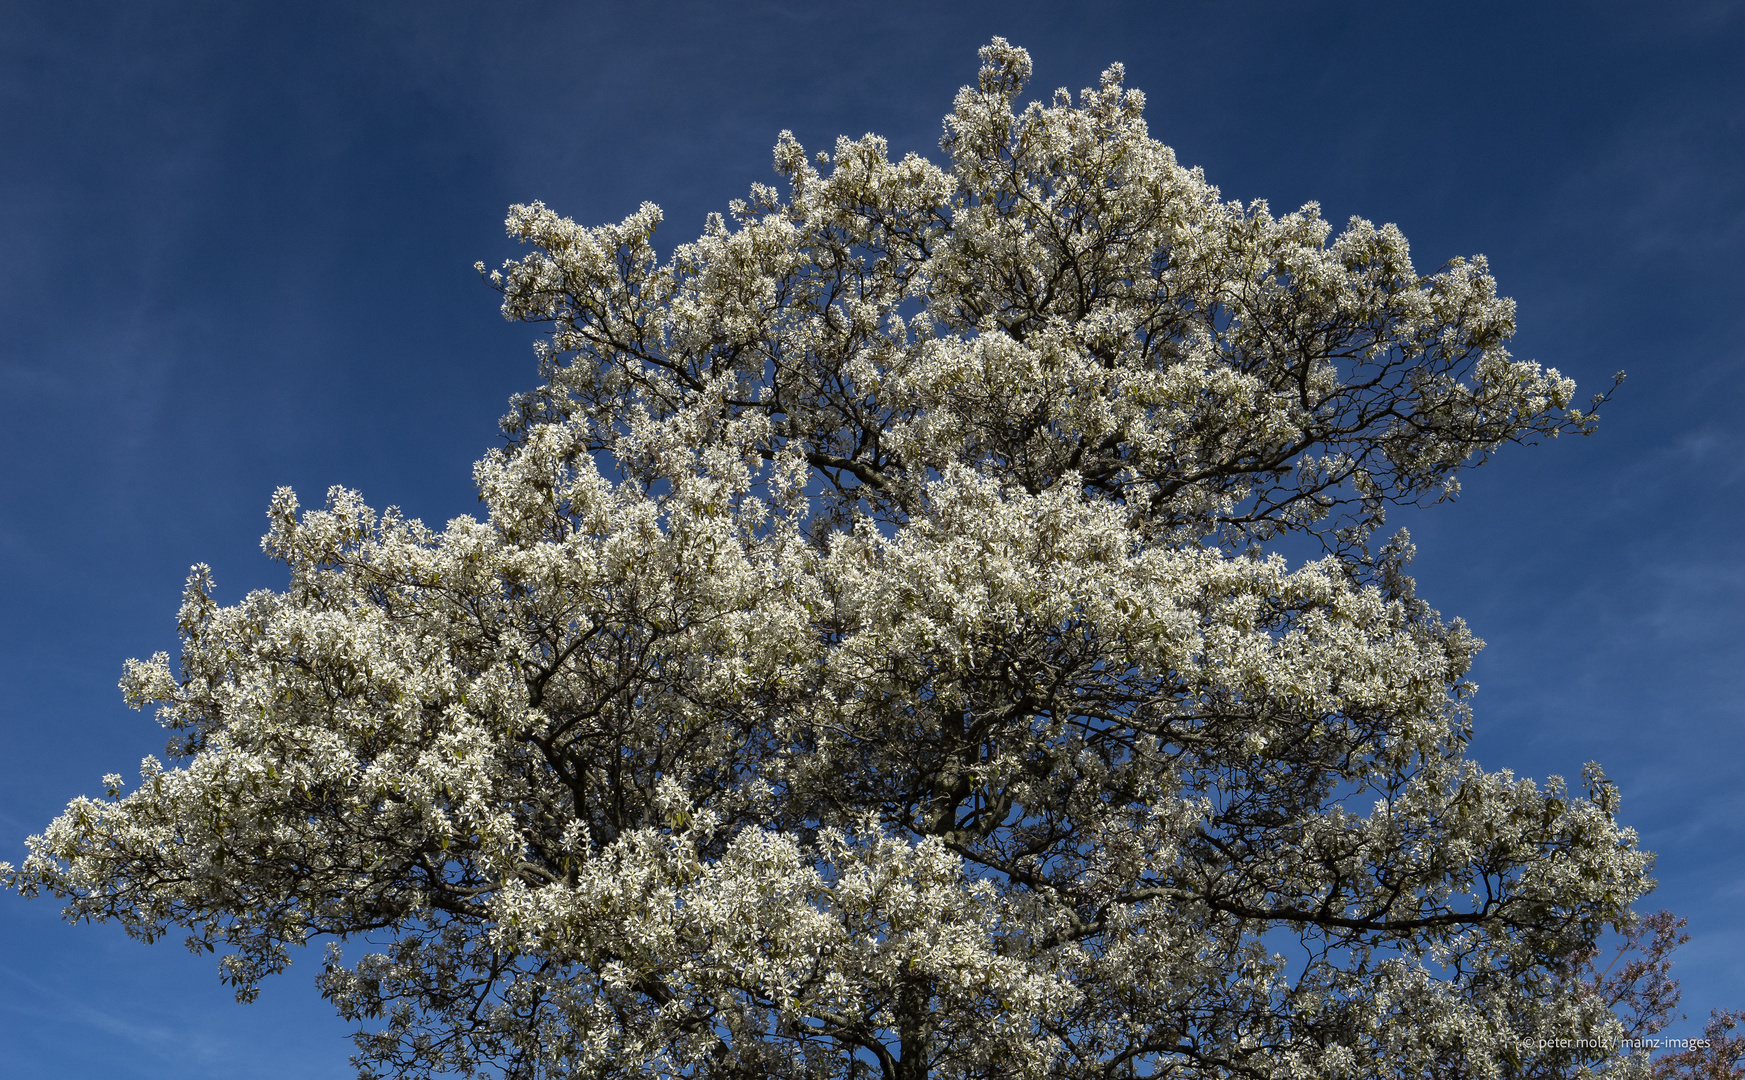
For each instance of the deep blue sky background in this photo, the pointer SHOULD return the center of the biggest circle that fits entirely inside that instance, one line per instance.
(235, 252)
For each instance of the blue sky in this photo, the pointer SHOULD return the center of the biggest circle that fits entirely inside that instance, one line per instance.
(235, 252)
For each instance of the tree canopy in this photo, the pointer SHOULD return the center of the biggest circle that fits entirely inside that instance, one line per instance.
(871, 662)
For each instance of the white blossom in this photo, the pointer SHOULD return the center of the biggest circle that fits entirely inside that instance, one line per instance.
(869, 665)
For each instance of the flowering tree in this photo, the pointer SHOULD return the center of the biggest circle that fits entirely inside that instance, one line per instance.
(869, 665)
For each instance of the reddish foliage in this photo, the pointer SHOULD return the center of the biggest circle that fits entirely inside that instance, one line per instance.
(1721, 1057)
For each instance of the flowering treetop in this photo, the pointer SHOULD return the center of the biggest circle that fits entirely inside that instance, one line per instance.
(869, 663)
